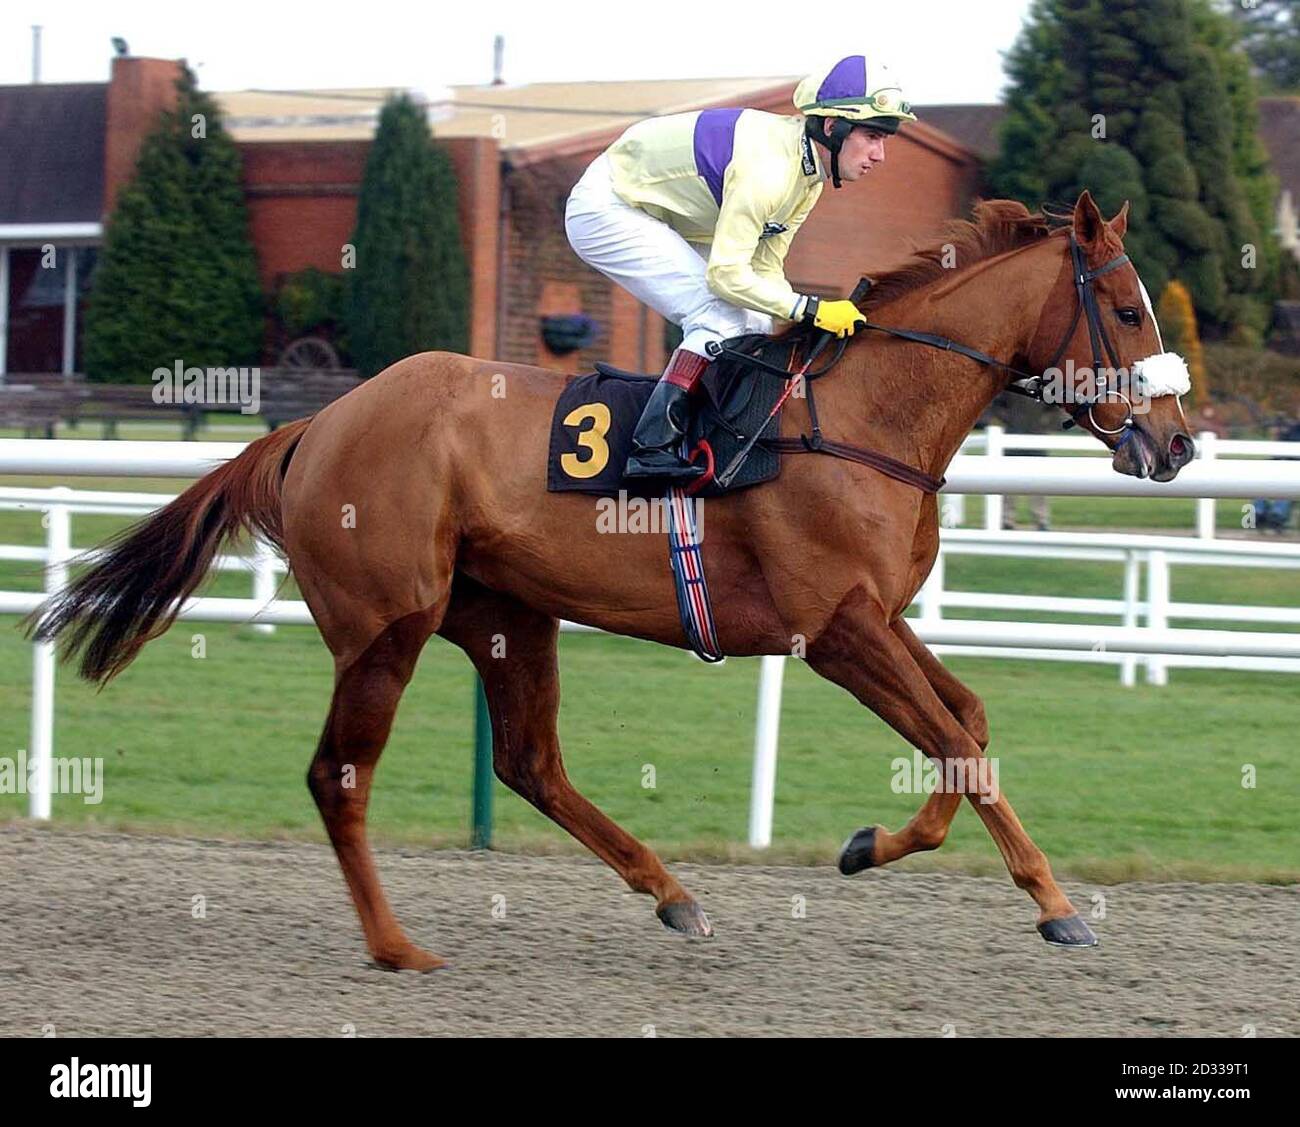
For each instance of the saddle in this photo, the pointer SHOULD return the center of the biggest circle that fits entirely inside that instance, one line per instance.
(596, 414)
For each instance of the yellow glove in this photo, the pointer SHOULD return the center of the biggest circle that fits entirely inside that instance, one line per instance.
(838, 317)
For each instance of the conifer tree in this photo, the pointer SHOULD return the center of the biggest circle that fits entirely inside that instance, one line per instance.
(1150, 101)
(176, 278)
(409, 291)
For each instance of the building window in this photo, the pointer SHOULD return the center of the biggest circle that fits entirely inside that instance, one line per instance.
(43, 307)
(36, 298)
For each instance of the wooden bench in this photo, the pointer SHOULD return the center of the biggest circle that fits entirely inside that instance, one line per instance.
(47, 381)
(38, 401)
(293, 393)
(110, 404)
(36, 410)
(74, 399)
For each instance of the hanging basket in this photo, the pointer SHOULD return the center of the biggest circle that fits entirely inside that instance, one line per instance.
(568, 333)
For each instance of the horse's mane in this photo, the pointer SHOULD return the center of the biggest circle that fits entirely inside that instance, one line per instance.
(999, 226)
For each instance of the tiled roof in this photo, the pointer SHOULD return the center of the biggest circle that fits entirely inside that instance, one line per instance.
(975, 126)
(52, 138)
(533, 114)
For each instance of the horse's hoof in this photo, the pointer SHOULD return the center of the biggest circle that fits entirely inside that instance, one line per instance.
(408, 958)
(685, 916)
(1068, 932)
(856, 854)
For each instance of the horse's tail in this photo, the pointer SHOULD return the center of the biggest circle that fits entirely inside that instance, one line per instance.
(134, 592)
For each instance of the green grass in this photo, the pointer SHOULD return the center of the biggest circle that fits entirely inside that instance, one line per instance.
(1175, 515)
(1112, 782)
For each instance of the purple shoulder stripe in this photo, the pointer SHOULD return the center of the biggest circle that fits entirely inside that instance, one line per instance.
(715, 137)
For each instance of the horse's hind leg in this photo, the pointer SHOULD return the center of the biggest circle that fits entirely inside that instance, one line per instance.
(513, 648)
(366, 693)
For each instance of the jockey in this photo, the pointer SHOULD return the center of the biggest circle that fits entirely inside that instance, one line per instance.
(693, 214)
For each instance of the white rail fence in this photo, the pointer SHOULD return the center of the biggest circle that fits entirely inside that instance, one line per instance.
(1143, 636)
(994, 442)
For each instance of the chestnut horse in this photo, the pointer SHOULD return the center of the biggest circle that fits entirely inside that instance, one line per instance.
(417, 505)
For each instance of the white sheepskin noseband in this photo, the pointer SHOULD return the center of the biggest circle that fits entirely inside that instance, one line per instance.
(1164, 374)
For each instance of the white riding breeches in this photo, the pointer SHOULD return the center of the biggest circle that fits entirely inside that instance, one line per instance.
(652, 262)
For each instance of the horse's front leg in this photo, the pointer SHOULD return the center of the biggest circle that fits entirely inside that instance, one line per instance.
(861, 651)
(928, 828)
(965, 706)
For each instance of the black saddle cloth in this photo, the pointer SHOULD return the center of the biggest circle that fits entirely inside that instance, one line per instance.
(595, 416)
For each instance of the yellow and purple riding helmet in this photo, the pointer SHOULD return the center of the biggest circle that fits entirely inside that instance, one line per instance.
(854, 92)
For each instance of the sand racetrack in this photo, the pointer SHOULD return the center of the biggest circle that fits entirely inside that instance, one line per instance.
(97, 937)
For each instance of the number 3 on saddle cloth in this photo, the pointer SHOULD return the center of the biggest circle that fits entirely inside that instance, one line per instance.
(591, 438)
(591, 429)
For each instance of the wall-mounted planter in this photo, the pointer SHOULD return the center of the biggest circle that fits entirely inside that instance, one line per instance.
(568, 333)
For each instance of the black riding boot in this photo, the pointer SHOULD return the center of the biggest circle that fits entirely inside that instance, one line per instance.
(656, 443)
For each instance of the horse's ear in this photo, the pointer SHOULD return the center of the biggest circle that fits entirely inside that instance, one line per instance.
(1087, 219)
(1120, 223)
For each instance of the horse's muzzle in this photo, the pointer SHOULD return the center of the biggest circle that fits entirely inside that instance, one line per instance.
(1145, 454)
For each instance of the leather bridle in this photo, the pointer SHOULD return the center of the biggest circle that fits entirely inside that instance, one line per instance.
(1025, 383)
(1087, 306)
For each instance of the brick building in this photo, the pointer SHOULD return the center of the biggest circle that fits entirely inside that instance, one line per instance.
(517, 151)
(67, 150)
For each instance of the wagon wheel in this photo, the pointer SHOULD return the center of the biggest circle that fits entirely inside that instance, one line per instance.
(310, 352)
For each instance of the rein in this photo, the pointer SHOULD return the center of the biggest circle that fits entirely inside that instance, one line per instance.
(1031, 385)
(1027, 384)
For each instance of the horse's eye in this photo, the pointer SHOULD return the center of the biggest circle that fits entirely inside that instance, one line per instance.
(1130, 316)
